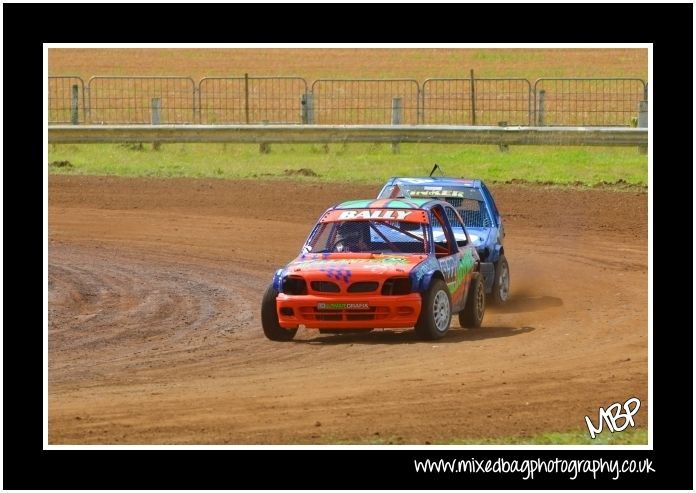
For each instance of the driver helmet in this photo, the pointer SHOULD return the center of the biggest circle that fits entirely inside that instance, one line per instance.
(350, 234)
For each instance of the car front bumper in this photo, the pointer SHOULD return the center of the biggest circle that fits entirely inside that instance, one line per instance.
(348, 312)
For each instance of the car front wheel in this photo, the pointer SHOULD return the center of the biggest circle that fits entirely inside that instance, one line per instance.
(269, 318)
(436, 312)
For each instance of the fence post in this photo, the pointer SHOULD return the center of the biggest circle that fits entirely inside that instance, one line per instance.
(307, 108)
(419, 101)
(265, 147)
(196, 114)
(155, 119)
(473, 99)
(74, 115)
(643, 114)
(540, 108)
(643, 122)
(503, 147)
(87, 105)
(310, 108)
(246, 97)
(303, 109)
(396, 119)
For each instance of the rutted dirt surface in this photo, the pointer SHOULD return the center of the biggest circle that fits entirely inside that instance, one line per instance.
(155, 337)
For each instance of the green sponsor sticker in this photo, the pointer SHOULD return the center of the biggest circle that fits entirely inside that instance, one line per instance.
(343, 306)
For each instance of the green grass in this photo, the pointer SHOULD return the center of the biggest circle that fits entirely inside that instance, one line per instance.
(359, 163)
(631, 436)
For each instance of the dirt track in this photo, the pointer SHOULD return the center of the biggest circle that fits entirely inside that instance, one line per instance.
(154, 331)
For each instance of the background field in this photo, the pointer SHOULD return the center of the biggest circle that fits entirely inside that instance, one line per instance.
(355, 162)
(369, 63)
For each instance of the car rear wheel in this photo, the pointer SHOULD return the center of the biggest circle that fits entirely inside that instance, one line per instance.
(501, 282)
(472, 315)
(436, 312)
(269, 318)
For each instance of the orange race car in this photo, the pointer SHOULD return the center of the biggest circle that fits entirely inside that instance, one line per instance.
(379, 263)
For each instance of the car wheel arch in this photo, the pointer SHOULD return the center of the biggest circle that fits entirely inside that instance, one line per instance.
(277, 282)
(496, 252)
(428, 279)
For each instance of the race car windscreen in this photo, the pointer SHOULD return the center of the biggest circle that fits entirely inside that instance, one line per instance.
(468, 202)
(369, 236)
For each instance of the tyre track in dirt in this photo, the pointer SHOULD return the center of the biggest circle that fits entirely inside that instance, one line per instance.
(116, 304)
(154, 330)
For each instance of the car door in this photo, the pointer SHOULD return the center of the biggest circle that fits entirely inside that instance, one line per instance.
(454, 251)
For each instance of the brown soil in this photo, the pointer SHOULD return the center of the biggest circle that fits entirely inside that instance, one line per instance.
(299, 172)
(154, 330)
(530, 63)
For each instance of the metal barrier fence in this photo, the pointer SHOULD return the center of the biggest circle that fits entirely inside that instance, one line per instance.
(251, 100)
(587, 102)
(365, 101)
(66, 100)
(289, 100)
(477, 101)
(141, 100)
(263, 134)
(507, 101)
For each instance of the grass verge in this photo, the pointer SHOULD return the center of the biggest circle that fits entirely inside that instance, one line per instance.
(358, 163)
(631, 436)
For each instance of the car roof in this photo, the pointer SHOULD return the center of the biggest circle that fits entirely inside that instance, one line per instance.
(447, 181)
(389, 204)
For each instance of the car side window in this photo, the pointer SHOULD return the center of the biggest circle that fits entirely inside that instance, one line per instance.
(457, 227)
(441, 236)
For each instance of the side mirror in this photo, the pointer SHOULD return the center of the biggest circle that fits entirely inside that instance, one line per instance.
(461, 243)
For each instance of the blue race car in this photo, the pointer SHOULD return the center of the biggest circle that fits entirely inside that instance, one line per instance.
(483, 222)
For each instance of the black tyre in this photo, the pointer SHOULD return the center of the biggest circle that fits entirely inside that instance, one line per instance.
(436, 312)
(501, 282)
(269, 318)
(472, 315)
